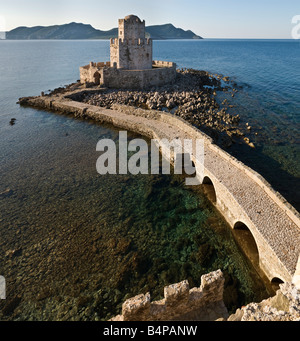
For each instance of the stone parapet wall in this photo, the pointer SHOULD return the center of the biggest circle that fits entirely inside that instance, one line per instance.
(196, 133)
(180, 302)
(158, 63)
(89, 73)
(206, 304)
(192, 131)
(118, 41)
(296, 278)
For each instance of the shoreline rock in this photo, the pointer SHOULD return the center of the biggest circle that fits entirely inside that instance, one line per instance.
(12, 121)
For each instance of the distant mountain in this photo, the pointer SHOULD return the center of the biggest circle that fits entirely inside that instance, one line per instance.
(83, 31)
(168, 31)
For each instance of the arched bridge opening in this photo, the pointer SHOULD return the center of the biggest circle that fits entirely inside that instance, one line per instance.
(209, 189)
(276, 283)
(246, 242)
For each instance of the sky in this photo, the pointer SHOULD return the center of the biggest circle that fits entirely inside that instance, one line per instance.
(252, 19)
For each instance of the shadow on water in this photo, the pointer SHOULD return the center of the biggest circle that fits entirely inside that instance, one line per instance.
(283, 182)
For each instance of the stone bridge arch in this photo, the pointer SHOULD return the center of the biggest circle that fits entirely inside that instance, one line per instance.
(246, 240)
(210, 189)
(275, 282)
(248, 237)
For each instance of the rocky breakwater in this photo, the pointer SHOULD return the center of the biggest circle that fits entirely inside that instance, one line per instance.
(193, 97)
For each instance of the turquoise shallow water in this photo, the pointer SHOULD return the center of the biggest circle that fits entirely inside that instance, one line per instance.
(74, 244)
(85, 242)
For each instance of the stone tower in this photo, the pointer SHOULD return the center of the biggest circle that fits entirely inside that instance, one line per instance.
(131, 51)
(131, 65)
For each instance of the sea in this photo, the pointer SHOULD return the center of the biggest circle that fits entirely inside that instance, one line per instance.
(74, 245)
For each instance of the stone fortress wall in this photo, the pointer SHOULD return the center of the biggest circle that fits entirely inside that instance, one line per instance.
(140, 51)
(136, 79)
(180, 303)
(111, 77)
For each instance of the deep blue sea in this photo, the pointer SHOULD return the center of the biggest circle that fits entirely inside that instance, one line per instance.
(74, 245)
(269, 71)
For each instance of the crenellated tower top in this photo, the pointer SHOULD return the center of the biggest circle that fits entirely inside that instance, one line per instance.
(131, 51)
(131, 28)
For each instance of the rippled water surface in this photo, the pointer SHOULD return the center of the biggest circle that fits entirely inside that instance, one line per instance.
(74, 244)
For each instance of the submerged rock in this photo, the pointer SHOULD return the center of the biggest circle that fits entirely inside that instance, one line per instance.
(12, 121)
(13, 253)
(7, 192)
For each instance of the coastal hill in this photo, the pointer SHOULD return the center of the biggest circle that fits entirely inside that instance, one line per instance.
(83, 31)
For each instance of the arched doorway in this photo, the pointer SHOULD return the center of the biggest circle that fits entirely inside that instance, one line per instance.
(209, 189)
(247, 242)
(97, 78)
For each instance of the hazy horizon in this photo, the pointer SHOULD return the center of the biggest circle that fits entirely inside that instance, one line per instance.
(206, 38)
(232, 19)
